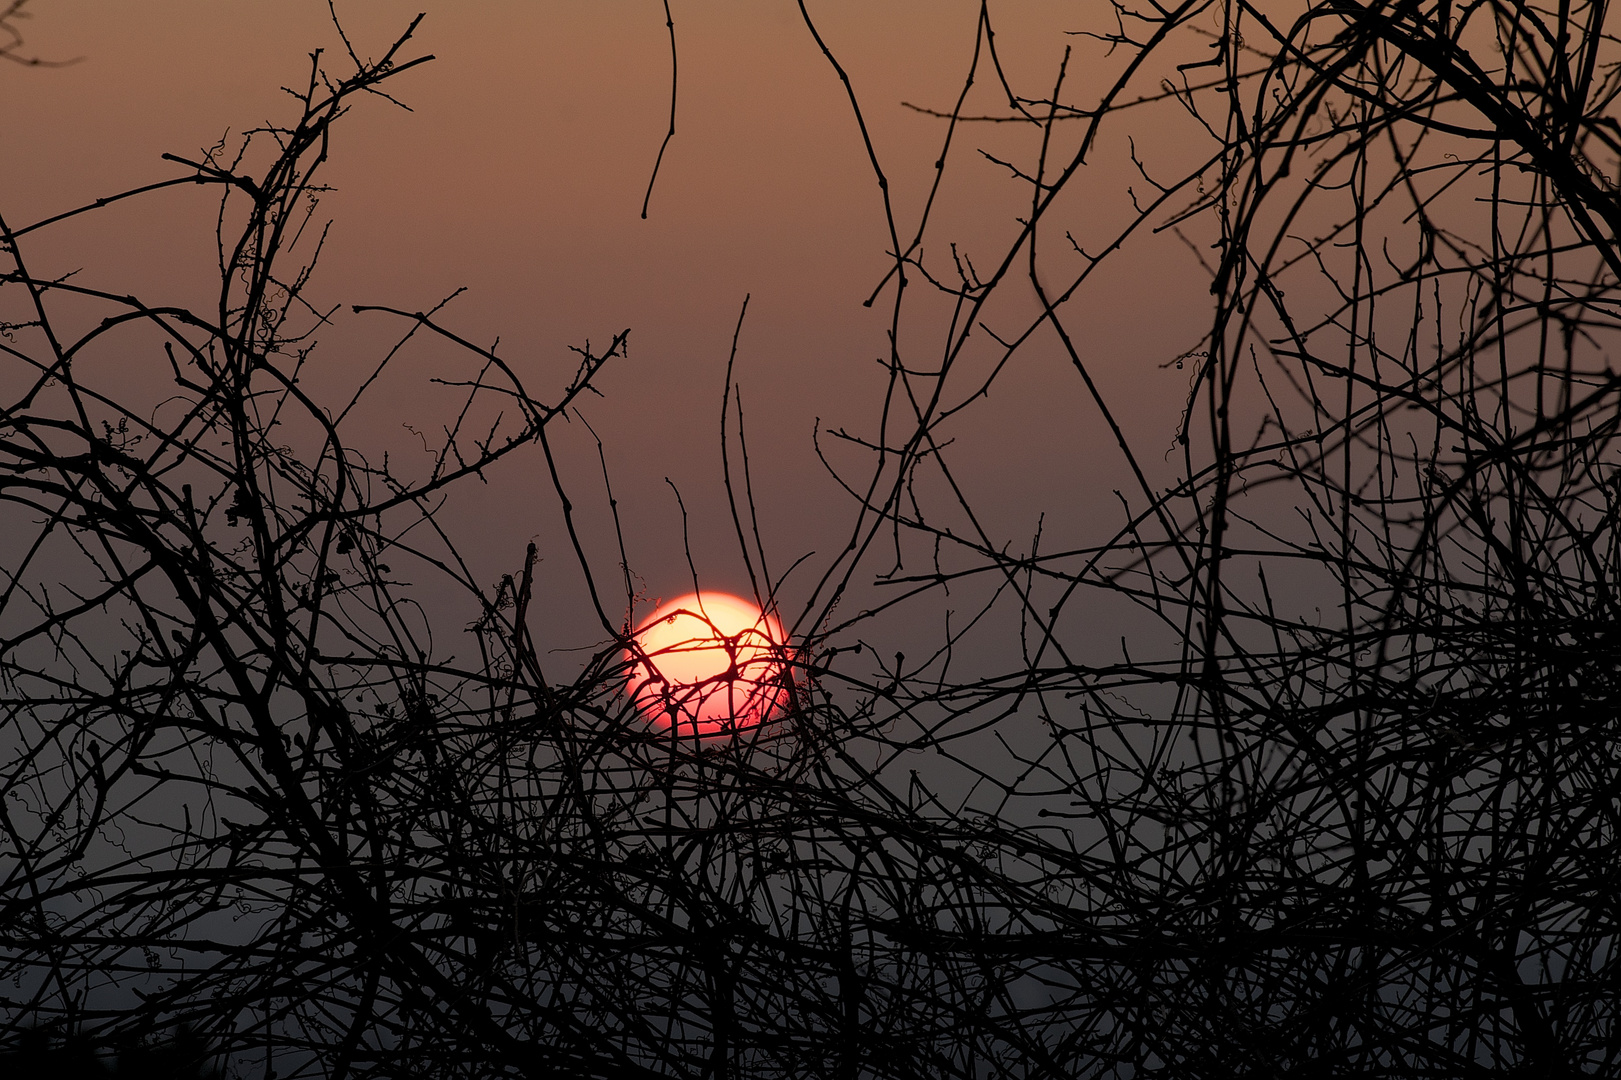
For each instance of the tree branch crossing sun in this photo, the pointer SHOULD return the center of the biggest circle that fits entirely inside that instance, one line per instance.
(709, 664)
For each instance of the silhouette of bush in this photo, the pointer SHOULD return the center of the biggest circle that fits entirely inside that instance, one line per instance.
(1306, 764)
(39, 1055)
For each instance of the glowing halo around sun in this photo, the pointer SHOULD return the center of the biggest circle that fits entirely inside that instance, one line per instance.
(708, 664)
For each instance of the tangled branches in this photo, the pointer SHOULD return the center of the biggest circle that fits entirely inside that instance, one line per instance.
(1361, 814)
(1343, 798)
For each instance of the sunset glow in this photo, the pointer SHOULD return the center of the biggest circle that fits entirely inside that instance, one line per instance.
(716, 665)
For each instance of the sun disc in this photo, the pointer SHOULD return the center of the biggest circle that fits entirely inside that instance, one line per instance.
(708, 664)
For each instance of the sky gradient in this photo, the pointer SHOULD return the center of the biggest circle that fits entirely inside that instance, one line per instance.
(519, 174)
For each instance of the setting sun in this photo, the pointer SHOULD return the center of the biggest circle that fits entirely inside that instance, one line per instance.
(716, 665)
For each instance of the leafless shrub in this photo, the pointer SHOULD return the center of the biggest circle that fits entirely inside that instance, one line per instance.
(1358, 815)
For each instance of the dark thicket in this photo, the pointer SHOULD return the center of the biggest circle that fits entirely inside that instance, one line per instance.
(37, 1055)
(1345, 800)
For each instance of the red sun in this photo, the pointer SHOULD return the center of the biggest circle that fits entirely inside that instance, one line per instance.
(713, 664)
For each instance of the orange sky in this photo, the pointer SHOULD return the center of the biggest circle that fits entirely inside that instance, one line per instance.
(520, 174)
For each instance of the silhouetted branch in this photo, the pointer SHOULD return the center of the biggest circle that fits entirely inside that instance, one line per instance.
(669, 22)
(1299, 755)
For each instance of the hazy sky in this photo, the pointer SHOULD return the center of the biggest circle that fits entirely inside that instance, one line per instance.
(520, 174)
